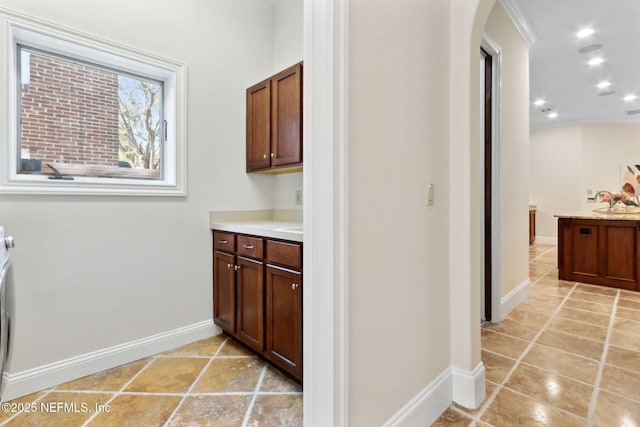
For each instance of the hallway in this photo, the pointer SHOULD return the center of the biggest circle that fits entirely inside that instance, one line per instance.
(569, 355)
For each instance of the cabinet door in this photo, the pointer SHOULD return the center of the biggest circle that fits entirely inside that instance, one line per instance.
(224, 291)
(618, 254)
(284, 319)
(250, 304)
(259, 126)
(286, 116)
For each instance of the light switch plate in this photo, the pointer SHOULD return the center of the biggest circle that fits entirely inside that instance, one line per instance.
(298, 197)
(430, 195)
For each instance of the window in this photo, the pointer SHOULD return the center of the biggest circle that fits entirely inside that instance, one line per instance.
(87, 116)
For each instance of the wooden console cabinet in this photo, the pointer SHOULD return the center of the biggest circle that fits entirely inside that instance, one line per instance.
(257, 296)
(599, 251)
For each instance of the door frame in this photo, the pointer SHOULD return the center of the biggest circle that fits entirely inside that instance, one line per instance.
(492, 294)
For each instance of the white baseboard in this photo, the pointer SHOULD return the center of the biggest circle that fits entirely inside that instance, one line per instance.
(542, 240)
(19, 384)
(466, 388)
(513, 298)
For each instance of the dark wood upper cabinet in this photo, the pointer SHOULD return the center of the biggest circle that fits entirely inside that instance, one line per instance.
(274, 123)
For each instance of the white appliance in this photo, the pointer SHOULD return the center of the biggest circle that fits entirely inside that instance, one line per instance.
(6, 277)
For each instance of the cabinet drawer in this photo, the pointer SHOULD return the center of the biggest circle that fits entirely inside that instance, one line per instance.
(224, 241)
(284, 253)
(250, 246)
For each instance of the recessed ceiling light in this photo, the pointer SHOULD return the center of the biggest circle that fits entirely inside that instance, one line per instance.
(539, 102)
(552, 115)
(603, 85)
(596, 61)
(585, 32)
(629, 97)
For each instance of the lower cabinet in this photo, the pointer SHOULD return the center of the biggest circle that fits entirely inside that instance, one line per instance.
(257, 296)
(602, 252)
(284, 319)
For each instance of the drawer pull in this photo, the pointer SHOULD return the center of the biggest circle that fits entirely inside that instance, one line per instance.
(585, 231)
(294, 286)
(247, 246)
(224, 242)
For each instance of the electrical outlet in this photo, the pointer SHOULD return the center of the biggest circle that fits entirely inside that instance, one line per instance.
(298, 197)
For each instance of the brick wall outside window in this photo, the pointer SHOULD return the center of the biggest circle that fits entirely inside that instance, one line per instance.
(69, 113)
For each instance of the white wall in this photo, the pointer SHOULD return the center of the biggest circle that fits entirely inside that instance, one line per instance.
(569, 160)
(513, 147)
(92, 272)
(398, 246)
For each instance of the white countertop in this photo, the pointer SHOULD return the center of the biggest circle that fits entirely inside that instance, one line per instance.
(278, 224)
(275, 229)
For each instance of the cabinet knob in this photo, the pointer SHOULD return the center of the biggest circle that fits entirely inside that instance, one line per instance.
(228, 265)
(273, 155)
(264, 156)
(236, 267)
(294, 286)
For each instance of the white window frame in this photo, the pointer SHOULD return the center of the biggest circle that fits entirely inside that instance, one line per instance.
(18, 29)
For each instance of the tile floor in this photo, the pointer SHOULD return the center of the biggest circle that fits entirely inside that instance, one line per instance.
(569, 355)
(213, 382)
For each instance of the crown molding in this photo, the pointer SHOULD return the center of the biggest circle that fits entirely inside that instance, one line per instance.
(519, 21)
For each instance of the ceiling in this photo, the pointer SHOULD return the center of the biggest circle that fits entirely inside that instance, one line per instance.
(559, 73)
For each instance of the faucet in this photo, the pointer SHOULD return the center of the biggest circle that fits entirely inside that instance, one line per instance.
(609, 199)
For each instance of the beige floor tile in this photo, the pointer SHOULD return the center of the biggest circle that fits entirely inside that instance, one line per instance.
(615, 411)
(620, 381)
(528, 317)
(538, 306)
(628, 313)
(512, 409)
(277, 410)
(623, 358)
(562, 363)
(168, 375)
(496, 367)
(452, 418)
(625, 340)
(601, 320)
(632, 295)
(555, 282)
(593, 307)
(580, 329)
(551, 300)
(592, 297)
(232, 348)
(627, 326)
(22, 401)
(554, 390)
(110, 380)
(61, 409)
(629, 303)
(503, 344)
(134, 410)
(206, 347)
(230, 375)
(275, 381)
(516, 329)
(211, 411)
(595, 289)
(572, 344)
(549, 290)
